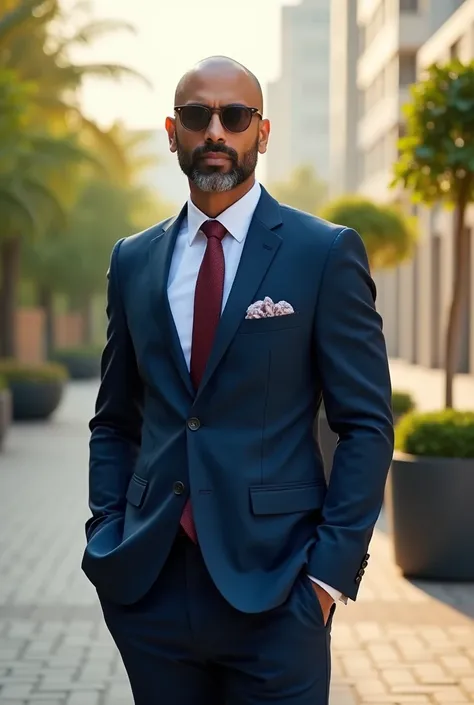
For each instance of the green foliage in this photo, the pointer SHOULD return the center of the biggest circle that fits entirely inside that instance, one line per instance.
(81, 363)
(74, 261)
(389, 235)
(13, 371)
(43, 136)
(14, 14)
(82, 351)
(402, 402)
(3, 383)
(304, 190)
(437, 154)
(439, 434)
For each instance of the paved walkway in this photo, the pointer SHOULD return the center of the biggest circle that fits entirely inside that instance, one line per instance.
(399, 644)
(427, 386)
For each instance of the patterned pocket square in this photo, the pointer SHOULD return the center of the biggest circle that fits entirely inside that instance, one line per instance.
(267, 308)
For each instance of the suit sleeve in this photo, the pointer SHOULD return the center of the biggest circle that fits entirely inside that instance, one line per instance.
(116, 426)
(353, 366)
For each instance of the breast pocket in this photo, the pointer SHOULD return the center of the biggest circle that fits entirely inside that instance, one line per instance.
(270, 324)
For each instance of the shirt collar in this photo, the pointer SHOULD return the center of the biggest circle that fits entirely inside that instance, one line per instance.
(235, 219)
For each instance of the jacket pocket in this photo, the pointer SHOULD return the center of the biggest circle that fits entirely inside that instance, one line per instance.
(286, 499)
(136, 490)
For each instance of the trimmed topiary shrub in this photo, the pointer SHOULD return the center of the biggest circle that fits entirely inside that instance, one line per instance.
(439, 434)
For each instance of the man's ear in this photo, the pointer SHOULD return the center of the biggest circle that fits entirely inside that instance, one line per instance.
(170, 125)
(263, 137)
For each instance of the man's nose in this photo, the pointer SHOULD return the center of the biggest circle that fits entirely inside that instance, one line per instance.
(215, 132)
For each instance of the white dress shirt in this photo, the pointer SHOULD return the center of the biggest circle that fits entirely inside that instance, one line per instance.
(187, 257)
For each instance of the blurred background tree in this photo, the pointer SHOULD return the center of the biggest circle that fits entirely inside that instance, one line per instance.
(72, 261)
(56, 232)
(389, 235)
(436, 165)
(303, 190)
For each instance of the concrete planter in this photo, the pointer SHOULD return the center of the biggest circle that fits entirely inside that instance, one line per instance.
(431, 518)
(5, 414)
(35, 400)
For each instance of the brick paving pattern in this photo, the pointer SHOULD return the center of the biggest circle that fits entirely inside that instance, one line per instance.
(401, 643)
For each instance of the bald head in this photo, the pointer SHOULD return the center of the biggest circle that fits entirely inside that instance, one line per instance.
(224, 69)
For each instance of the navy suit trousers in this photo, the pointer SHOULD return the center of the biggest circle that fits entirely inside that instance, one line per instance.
(184, 644)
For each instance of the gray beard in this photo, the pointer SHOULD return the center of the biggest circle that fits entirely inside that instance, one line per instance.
(215, 182)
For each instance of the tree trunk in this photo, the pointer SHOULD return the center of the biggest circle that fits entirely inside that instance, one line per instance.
(46, 301)
(460, 289)
(10, 253)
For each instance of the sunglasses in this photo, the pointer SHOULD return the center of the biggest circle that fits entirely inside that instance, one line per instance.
(234, 118)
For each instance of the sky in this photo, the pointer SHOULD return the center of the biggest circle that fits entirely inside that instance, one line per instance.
(171, 36)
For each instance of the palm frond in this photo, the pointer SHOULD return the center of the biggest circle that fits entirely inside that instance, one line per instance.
(114, 71)
(47, 200)
(58, 150)
(14, 206)
(13, 19)
(92, 31)
(113, 155)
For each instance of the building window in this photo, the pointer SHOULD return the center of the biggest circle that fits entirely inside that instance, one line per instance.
(454, 50)
(409, 5)
(407, 69)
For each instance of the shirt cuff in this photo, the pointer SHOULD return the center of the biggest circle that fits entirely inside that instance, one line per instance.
(335, 594)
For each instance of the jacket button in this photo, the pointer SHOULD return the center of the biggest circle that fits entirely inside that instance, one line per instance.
(178, 488)
(194, 424)
(364, 564)
(367, 556)
(358, 579)
(361, 571)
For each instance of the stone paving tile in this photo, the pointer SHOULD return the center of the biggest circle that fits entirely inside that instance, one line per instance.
(402, 643)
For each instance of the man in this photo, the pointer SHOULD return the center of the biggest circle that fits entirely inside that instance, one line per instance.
(217, 550)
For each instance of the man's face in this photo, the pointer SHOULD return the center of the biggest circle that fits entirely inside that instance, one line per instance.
(214, 158)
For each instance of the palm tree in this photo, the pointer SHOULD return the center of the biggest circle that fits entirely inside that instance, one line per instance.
(36, 139)
(28, 203)
(74, 262)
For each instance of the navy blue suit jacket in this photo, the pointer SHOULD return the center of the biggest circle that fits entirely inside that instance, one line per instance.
(242, 444)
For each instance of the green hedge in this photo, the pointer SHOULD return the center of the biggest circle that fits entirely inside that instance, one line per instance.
(402, 402)
(3, 383)
(81, 363)
(13, 371)
(437, 434)
(83, 352)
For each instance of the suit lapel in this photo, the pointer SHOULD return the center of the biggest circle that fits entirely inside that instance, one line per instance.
(261, 246)
(161, 252)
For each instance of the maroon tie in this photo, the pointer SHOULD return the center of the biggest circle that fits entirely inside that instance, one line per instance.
(207, 312)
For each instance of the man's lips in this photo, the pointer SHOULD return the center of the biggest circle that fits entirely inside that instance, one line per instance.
(215, 158)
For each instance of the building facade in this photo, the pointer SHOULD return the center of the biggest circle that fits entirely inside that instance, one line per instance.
(343, 98)
(298, 102)
(396, 40)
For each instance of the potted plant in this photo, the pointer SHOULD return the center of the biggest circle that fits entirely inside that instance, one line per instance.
(36, 389)
(81, 362)
(428, 492)
(402, 403)
(5, 410)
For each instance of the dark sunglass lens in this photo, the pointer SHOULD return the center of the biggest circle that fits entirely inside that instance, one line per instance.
(236, 118)
(195, 117)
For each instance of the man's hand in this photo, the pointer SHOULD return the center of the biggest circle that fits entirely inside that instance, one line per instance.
(325, 600)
